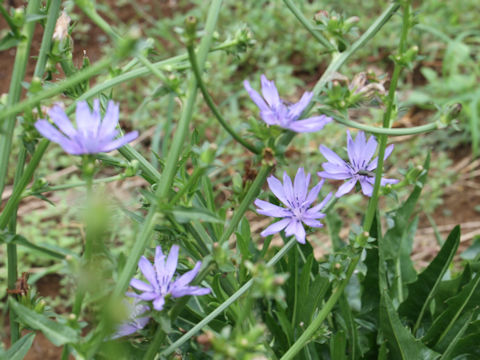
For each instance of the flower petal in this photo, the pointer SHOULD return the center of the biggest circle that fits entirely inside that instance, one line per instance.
(148, 271)
(312, 223)
(255, 96)
(275, 227)
(295, 110)
(186, 278)
(190, 290)
(277, 188)
(334, 176)
(268, 209)
(296, 228)
(269, 92)
(110, 120)
(158, 303)
(312, 124)
(367, 188)
(288, 189)
(140, 285)
(53, 134)
(57, 114)
(171, 264)
(300, 185)
(118, 143)
(332, 157)
(346, 187)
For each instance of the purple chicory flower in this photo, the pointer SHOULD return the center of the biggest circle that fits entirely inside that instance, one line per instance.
(297, 200)
(92, 135)
(160, 279)
(134, 322)
(360, 168)
(275, 111)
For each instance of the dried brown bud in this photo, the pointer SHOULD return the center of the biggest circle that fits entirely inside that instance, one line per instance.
(61, 27)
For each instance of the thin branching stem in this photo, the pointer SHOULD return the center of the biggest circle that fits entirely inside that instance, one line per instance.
(211, 104)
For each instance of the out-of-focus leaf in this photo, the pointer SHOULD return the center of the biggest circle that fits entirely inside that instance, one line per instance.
(9, 41)
(57, 333)
(400, 341)
(422, 291)
(20, 240)
(186, 214)
(19, 349)
(472, 251)
(468, 298)
(338, 345)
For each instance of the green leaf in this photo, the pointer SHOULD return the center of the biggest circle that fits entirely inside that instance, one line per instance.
(393, 237)
(186, 214)
(9, 41)
(338, 345)
(468, 298)
(468, 345)
(422, 291)
(19, 349)
(20, 240)
(402, 344)
(57, 333)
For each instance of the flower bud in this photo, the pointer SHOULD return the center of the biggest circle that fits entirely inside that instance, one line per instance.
(61, 27)
(191, 23)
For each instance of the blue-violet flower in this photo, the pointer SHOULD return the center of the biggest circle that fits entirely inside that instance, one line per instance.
(275, 111)
(160, 279)
(360, 168)
(297, 200)
(135, 321)
(92, 134)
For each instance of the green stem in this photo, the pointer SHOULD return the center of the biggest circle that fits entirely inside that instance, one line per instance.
(247, 200)
(172, 158)
(6, 135)
(372, 205)
(309, 332)
(12, 249)
(387, 131)
(197, 173)
(226, 303)
(53, 11)
(92, 70)
(340, 59)
(155, 344)
(213, 107)
(80, 76)
(30, 192)
(16, 196)
(307, 24)
(15, 91)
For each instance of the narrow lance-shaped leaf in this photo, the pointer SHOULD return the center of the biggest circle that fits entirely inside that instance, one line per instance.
(18, 350)
(467, 299)
(57, 333)
(422, 291)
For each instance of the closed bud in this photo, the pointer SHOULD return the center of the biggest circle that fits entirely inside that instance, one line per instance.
(18, 17)
(35, 85)
(191, 23)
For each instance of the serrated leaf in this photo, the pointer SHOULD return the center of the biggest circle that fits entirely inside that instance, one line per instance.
(402, 344)
(57, 333)
(468, 298)
(186, 214)
(468, 345)
(422, 291)
(18, 350)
